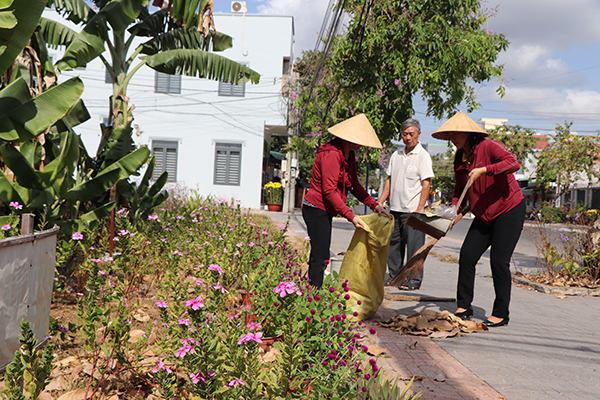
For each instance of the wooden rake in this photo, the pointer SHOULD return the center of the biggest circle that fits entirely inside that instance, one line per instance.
(414, 266)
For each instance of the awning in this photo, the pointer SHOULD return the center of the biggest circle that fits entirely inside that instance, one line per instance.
(278, 155)
(276, 130)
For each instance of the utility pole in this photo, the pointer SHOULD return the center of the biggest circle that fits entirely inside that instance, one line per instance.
(291, 173)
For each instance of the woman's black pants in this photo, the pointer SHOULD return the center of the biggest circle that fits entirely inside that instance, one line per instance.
(318, 224)
(502, 236)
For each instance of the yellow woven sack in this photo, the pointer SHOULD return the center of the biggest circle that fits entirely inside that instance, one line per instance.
(364, 265)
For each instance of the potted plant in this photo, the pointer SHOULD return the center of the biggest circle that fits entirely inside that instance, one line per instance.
(274, 195)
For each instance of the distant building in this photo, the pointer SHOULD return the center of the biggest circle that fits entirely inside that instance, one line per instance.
(491, 123)
(212, 137)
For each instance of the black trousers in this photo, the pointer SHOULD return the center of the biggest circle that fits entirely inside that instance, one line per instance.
(502, 236)
(318, 224)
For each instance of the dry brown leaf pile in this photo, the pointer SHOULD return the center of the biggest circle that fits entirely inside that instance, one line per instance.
(433, 324)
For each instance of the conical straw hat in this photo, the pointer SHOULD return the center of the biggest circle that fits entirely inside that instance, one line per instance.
(460, 122)
(357, 130)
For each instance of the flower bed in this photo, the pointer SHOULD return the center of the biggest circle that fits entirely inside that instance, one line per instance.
(166, 309)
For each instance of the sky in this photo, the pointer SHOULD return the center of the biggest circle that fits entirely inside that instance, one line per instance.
(552, 65)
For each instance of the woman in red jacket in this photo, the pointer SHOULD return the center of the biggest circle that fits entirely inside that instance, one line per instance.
(498, 205)
(333, 175)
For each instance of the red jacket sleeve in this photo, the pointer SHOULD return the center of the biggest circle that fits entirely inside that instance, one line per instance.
(331, 168)
(502, 161)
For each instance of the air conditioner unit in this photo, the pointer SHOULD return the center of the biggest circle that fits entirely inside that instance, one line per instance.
(238, 7)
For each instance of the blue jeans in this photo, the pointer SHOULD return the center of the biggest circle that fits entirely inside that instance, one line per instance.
(405, 240)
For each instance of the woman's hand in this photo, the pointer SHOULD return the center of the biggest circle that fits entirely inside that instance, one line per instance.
(380, 210)
(358, 223)
(476, 173)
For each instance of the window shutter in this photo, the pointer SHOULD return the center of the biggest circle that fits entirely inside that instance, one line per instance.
(165, 154)
(228, 164)
(165, 83)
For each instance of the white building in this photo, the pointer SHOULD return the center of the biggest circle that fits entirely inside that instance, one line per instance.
(210, 136)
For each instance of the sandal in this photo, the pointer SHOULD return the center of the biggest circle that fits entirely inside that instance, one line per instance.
(410, 286)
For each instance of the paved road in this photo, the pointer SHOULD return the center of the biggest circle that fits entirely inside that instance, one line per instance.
(550, 349)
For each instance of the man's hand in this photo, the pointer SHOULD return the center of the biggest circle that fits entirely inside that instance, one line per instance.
(358, 223)
(380, 210)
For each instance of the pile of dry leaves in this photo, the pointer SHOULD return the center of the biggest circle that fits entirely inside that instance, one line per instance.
(433, 324)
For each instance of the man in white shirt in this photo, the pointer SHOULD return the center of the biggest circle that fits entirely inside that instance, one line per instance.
(409, 180)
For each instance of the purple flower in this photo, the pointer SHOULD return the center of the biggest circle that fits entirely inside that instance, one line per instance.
(63, 328)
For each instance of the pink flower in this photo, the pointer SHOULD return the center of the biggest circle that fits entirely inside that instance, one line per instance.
(253, 325)
(195, 304)
(77, 236)
(162, 304)
(285, 288)
(235, 382)
(16, 205)
(161, 365)
(187, 348)
(184, 321)
(250, 337)
(221, 288)
(215, 267)
(6, 227)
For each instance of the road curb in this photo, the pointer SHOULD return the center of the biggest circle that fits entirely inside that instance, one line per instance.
(562, 290)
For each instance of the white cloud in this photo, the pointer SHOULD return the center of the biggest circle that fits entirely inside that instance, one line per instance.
(308, 18)
(550, 23)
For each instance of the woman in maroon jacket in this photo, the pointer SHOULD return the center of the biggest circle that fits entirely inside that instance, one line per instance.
(333, 175)
(498, 205)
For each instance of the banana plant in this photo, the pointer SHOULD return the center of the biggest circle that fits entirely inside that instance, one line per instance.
(178, 40)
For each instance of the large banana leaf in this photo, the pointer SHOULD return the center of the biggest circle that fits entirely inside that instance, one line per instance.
(25, 120)
(7, 19)
(57, 34)
(8, 193)
(153, 25)
(200, 64)
(129, 164)
(28, 13)
(184, 11)
(184, 38)
(26, 175)
(74, 10)
(98, 213)
(121, 13)
(94, 187)
(88, 44)
(115, 146)
(32, 151)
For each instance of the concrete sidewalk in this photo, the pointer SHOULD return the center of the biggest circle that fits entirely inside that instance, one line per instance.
(549, 350)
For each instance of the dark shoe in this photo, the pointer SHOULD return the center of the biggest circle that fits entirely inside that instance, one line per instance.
(467, 314)
(493, 324)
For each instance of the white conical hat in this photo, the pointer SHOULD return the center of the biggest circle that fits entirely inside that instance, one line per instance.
(460, 122)
(357, 130)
